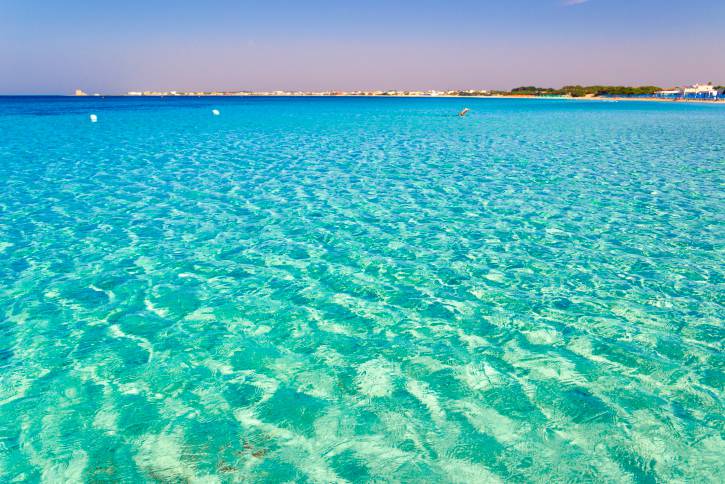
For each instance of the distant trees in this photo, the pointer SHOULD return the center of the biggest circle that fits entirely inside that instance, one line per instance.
(626, 91)
(473, 93)
(581, 91)
(533, 91)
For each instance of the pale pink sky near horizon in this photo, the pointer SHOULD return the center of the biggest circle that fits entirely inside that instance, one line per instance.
(323, 44)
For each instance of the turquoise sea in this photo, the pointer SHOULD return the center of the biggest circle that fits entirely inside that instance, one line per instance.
(361, 290)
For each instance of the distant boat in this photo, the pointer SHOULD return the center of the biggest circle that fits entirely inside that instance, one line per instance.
(215, 112)
(94, 118)
(464, 112)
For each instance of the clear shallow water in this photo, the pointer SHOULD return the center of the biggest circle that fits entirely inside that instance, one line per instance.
(321, 290)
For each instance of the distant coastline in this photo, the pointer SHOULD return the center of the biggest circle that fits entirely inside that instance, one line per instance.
(442, 96)
(697, 93)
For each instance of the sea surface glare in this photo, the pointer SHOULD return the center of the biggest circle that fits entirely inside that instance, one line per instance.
(364, 290)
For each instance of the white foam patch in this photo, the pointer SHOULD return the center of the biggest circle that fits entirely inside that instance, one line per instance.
(145, 263)
(106, 419)
(316, 384)
(212, 400)
(378, 455)
(488, 421)
(428, 398)
(501, 320)
(472, 341)
(542, 366)
(70, 472)
(161, 312)
(398, 428)
(109, 294)
(267, 385)
(335, 328)
(60, 210)
(261, 330)
(174, 408)
(161, 455)
(306, 454)
(583, 347)
(134, 388)
(335, 434)
(189, 275)
(495, 276)
(709, 457)
(201, 314)
(330, 357)
(218, 367)
(479, 377)
(375, 378)
(117, 332)
(460, 307)
(463, 471)
(650, 438)
(543, 336)
(431, 364)
(286, 367)
(582, 437)
(14, 386)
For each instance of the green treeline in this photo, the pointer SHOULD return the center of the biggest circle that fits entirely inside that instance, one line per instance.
(472, 92)
(581, 91)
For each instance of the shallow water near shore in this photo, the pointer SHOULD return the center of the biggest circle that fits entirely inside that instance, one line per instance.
(331, 290)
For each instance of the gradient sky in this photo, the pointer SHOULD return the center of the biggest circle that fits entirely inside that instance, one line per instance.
(53, 46)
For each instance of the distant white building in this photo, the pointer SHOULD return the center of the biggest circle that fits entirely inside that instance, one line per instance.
(696, 91)
(669, 93)
(700, 91)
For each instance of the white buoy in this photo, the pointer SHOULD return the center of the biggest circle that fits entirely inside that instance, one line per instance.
(94, 118)
(215, 112)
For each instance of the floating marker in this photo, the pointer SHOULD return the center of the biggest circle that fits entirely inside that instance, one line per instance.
(215, 112)
(94, 118)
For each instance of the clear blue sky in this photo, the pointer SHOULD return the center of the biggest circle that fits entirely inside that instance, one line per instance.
(53, 46)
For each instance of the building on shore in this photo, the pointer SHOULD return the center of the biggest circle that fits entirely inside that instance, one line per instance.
(700, 91)
(696, 91)
(669, 93)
